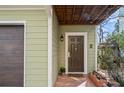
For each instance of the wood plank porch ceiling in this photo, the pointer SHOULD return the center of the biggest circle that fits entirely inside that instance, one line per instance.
(83, 14)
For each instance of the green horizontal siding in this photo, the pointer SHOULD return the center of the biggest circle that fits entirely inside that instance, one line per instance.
(37, 71)
(37, 59)
(36, 65)
(36, 35)
(36, 82)
(37, 42)
(23, 14)
(37, 53)
(37, 29)
(37, 47)
(37, 23)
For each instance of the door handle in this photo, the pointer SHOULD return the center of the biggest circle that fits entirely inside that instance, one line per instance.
(68, 54)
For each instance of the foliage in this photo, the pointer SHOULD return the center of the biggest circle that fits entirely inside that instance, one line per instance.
(118, 37)
(110, 57)
(122, 83)
(109, 61)
(103, 65)
(62, 70)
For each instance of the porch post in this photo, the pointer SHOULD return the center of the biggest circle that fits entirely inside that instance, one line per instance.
(50, 14)
(96, 48)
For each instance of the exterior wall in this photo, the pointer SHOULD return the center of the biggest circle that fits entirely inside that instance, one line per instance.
(36, 63)
(54, 48)
(91, 35)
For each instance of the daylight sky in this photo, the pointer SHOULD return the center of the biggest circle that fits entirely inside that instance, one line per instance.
(109, 26)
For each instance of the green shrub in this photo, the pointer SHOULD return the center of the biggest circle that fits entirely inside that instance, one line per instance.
(103, 66)
(122, 83)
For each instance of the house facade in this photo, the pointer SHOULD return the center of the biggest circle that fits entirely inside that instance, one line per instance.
(35, 43)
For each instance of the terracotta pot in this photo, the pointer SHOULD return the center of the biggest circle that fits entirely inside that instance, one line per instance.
(98, 83)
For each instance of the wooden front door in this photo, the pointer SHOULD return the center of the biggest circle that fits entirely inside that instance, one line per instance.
(76, 54)
(11, 55)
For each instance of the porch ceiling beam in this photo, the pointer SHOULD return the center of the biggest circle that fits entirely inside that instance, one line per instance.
(73, 14)
(102, 11)
(84, 14)
(93, 10)
(84, 19)
(106, 16)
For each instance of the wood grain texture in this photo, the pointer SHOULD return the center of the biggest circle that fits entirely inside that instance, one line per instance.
(76, 49)
(11, 56)
(83, 14)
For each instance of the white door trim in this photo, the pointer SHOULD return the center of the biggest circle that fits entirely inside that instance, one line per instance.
(85, 51)
(19, 23)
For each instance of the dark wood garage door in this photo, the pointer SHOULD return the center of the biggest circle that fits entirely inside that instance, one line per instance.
(76, 50)
(11, 55)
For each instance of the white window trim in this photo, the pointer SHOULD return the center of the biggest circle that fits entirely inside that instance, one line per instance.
(18, 23)
(85, 51)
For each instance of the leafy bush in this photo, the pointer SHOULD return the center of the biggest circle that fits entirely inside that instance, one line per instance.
(62, 70)
(122, 83)
(103, 66)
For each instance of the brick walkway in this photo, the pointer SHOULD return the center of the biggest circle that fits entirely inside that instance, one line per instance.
(87, 83)
(73, 81)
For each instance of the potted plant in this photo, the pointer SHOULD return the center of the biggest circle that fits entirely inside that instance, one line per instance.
(62, 70)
